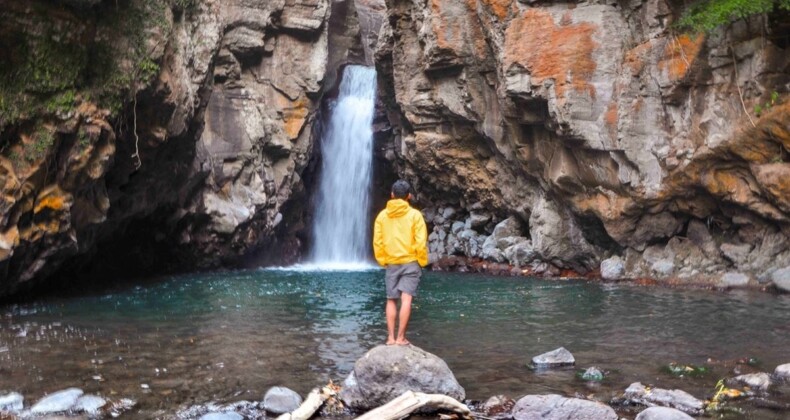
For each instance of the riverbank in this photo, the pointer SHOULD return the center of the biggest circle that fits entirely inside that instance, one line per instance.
(459, 264)
(396, 381)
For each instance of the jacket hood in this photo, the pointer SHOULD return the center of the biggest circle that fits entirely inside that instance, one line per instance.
(397, 208)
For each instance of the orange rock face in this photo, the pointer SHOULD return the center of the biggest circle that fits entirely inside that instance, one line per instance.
(775, 180)
(457, 28)
(679, 53)
(562, 52)
(635, 57)
(294, 114)
(499, 7)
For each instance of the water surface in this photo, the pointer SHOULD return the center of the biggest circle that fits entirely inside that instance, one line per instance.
(229, 336)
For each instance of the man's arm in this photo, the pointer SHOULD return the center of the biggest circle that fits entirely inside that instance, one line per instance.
(420, 239)
(378, 243)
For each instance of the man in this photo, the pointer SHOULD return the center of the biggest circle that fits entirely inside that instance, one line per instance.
(400, 243)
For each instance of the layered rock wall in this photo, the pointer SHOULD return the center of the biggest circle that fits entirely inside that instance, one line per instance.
(556, 134)
(152, 135)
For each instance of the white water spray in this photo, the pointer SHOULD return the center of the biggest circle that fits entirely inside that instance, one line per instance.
(340, 232)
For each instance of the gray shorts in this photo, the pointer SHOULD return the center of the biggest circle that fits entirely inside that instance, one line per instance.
(402, 278)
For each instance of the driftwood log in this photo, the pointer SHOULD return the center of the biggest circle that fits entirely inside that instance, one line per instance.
(311, 404)
(410, 402)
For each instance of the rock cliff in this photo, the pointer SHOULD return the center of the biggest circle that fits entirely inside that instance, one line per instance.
(556, 134)
(151, 135)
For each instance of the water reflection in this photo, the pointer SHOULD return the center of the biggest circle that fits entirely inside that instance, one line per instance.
(229, 336)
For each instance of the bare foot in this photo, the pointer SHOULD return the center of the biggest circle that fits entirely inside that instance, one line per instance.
(403, 342)
(391, 341)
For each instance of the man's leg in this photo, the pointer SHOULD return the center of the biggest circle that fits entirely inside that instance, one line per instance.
(391, 311)
(405, 314)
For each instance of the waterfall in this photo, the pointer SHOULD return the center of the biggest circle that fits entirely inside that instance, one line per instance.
(341, 229)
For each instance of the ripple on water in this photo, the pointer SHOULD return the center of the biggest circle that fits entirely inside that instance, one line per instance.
(229, 336)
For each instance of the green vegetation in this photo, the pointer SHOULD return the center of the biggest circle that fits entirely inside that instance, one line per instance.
(707, 15)
(147, 70)
(184, 4)
(50, 67)
(62, 102)
(717, 404)
(773, 100)
(43, 139)
(113, 80)
(681, 370)
(47, 68)
(83, 140)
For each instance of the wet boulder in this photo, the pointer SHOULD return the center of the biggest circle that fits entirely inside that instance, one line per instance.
(663, 413)
(555, 358)
(478, 220)
(781, 279)
(612, 268)
(738, 254)
(386, 372)
(663, 267)
(57, 402)
(756, 381)
(734, 279)
(506, 234)
(521, 253)
(637, 393)
(783, 372)
(557, 407)
(12, 403)
(280, 400)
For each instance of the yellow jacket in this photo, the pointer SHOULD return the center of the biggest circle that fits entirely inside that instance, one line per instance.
(399, 235)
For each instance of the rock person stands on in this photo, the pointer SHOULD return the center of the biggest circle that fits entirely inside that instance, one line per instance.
(400, 243)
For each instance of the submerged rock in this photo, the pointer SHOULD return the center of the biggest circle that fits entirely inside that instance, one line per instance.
(783, 371)
(386, 372)
(120, 406)
(681, 400)
(498, 407)
(756, 381)
(57, 402)
(663, 413)
(557, 407)
(90, 404)
(279, 400)
(554, 358)
(12, 403)
(222, 416)
(681, 370)
(592, 374)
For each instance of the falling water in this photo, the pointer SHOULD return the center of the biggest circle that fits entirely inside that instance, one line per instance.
(340, 233)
